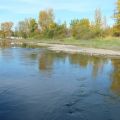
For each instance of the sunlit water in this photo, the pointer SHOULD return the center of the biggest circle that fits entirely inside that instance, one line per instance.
(36, 84)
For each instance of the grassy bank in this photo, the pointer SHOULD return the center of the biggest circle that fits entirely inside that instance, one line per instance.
(110, 43)
(104, 43)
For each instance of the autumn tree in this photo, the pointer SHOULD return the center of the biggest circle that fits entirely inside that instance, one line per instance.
(46, 18)
(6, 29)
(116, 27)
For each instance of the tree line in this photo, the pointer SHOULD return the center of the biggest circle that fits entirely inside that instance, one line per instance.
(46, 27)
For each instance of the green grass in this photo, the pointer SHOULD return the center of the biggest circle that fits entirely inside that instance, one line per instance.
(105, 43)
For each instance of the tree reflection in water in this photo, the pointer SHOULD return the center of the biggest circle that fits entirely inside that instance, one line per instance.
(116, 76)
(47, 60)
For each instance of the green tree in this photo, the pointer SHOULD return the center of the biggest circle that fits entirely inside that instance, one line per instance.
(80, 29)
(33, 26)
(61, 30)
(55, 31)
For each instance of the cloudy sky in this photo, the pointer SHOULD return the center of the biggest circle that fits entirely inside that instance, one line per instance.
(65, 10)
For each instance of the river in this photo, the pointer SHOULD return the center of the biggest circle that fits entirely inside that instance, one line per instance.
(37, 84)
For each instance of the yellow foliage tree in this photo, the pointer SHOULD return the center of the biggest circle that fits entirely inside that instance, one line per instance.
(46, 18)
(116, 27)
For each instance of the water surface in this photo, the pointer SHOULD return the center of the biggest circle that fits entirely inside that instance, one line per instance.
(36, 84)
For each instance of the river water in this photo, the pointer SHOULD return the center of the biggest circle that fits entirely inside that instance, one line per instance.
(37, 84)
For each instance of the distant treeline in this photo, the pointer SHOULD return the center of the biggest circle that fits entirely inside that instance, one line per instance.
(46, 27)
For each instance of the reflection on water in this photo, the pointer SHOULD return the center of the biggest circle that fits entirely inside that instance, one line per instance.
(36, 84)
(116, 76)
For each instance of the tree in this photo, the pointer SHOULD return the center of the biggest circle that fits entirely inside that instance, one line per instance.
(98, 18)
(55, 31)
(61, 31)
(27, 28)
(46, 18)
(80, 29)
(104, 23)
(49, 28)
(98, 25)
(33, 26)
(23, 28)
(116, 27)
(6, 29)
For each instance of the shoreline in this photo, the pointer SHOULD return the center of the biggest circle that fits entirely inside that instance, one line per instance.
(74, 49)
(69, 48)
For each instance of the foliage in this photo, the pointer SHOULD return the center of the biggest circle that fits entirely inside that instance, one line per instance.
(46, 18)
(48, 28)
(6, 29)
(116, 27)
(81, 29)
(27, 28)
(55, 31)
(99, 25)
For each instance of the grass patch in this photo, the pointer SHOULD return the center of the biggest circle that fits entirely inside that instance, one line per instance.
(103, 43)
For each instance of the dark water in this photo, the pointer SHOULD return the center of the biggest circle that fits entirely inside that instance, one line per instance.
(36, 84)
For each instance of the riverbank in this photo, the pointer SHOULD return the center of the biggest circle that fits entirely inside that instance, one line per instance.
(88, 51)
(73, 49)
(109, 43)
(99, 47)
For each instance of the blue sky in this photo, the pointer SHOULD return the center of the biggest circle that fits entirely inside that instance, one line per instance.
(65, 10)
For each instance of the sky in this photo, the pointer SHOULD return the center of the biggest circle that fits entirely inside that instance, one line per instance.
(64, 10)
